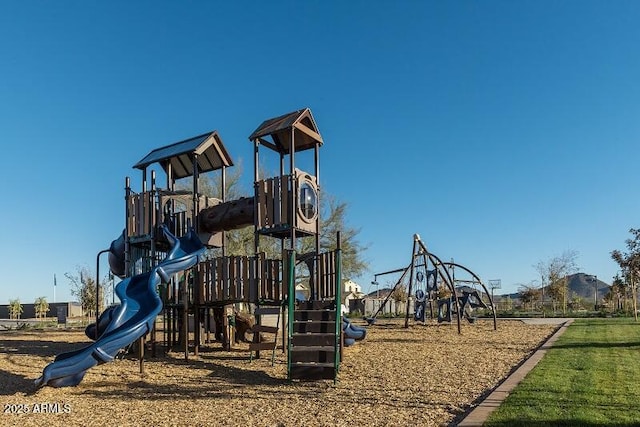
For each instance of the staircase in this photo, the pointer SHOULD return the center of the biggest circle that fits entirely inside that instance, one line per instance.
(260, 342)
(314, 341)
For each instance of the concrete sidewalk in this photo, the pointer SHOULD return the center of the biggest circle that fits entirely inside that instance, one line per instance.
(480, 413)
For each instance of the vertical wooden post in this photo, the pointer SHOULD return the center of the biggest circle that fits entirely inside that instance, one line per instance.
(413, 255)
(141, 354)
(226, 339)
(185, 320)
(196, 309)
(153, 339)
(207, 316)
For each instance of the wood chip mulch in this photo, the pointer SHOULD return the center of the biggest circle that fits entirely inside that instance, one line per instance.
(425, 375)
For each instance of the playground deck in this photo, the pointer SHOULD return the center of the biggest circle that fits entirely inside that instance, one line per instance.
(424, 375)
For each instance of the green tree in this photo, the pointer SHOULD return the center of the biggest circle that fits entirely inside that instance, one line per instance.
(528, 295)
(41, 307)
(576, 302)
(554, 273)
(333, 216)
(629, 261)
(508, 303)
(617, 293)
(15, 308)
(83, 287)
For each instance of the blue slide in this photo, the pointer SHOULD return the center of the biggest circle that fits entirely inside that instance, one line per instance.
(132, 319)
(352, 333)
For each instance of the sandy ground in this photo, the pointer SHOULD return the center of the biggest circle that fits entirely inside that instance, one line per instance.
(425, 375)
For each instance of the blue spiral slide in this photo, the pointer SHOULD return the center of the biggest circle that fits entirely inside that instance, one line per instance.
(127, 322)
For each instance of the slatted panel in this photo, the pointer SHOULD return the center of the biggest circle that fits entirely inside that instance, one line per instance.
(147, 214)
(331, 277)
(246, 274)
(269, 196)
(327, 275)
(277, 205)
(219, 280)
(239, 278)
(284, 199)
(262, 204)
(277, 286)
(253, 280)
(213, 275)
(139, 226)
(202, 271)
(142, 213)
(268, 295)
(228, 279)
(231, 283)
(263, 279)
(131, 220)
(322, 276)
(273, 202)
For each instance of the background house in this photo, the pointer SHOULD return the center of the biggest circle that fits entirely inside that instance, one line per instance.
(352, 297)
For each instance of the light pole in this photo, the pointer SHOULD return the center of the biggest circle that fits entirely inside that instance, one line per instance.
(98, 287)
(594, 278)
(377, 285)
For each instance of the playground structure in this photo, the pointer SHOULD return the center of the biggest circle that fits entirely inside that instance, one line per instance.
(428, 280)
(284, 207)
(127, 322)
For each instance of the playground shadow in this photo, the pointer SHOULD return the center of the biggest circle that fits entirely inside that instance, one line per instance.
(218, 382)
(216, 351)
(38, 347)
(402, 340)
(12, 383)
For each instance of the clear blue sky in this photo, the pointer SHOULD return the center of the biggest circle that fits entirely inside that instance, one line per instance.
(504, 133)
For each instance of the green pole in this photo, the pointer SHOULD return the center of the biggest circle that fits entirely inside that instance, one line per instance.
(338, 347)
(291, 300)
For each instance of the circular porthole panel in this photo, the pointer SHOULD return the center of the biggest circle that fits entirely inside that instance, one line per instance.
(307, 201)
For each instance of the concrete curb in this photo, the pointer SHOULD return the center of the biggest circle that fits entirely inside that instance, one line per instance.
(480, 413)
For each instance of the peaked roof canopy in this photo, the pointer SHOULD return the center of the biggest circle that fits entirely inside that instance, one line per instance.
(279, 129)
(209, 148)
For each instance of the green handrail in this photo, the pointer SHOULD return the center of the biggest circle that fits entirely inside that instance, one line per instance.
(291, 300)
(338, 341)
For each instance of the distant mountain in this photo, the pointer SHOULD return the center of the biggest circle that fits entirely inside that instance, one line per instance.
(584, 285)
(581, 284)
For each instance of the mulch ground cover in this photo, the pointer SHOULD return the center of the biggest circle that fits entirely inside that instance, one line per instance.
(424, 375)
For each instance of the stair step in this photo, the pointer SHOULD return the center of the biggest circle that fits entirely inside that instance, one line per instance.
(312, 371)
(305, 326)
(257, 346)
(264, 328)
(313, 339)
(265, 310)
(316, 354)
(315, 305)
(301, 315)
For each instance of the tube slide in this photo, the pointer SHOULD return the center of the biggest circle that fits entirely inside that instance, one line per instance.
(123, 324)
(116, 256)
(352, 333)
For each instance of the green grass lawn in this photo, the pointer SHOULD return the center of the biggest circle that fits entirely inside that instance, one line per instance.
(590, 377)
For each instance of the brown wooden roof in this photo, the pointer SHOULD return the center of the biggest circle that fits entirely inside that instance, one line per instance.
(209, 148)
(276, 133)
